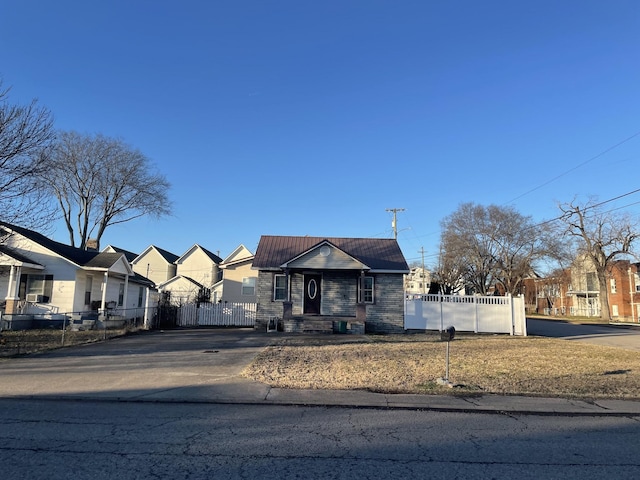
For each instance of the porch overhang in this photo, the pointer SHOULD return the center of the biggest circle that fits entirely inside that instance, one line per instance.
(10, 258)
(324, 256)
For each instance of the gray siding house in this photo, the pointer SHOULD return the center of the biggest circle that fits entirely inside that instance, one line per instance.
(317, 284)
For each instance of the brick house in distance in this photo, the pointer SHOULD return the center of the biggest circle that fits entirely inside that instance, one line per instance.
(575, 292)
(317, 284)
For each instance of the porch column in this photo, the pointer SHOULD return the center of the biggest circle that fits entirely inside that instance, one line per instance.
(287, 274)
(12, 298)
(287, 305)
(105, 282)
(147, 319)
(361, 307)
(126, 291)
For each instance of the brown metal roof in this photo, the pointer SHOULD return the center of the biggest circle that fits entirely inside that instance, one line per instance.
(377, 253)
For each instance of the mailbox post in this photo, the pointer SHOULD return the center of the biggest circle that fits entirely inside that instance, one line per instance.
(447, 335)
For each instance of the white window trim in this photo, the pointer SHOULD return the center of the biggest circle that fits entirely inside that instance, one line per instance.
(275, 289)
(362, 290)
(249, 283)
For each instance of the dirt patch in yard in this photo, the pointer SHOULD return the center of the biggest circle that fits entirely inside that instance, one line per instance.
(478, 364)
(22, 342)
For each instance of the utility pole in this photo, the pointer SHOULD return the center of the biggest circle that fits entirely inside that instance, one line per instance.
(394, 223)
(422, 274)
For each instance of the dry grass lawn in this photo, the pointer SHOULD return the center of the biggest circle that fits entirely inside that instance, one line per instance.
(478, 364)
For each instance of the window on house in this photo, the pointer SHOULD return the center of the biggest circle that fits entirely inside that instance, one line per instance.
(613, 285)
(36, 287)
(636, 281)
(614, 310)
(140, 296)
(249, 286)
(120, 294)
(87, 290)
(366, 290)
(280, 287)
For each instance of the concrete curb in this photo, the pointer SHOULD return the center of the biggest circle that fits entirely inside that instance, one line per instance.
(245, 392)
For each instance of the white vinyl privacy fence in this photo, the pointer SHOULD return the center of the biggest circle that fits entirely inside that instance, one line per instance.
(217, 314)
(466, 313)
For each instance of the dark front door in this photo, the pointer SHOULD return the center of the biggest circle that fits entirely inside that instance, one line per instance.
(312, 294)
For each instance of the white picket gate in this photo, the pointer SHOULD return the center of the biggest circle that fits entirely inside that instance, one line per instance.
(467, 313)
(217, 314)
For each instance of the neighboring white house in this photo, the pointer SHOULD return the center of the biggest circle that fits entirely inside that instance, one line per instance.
(417, 281)
(239, 279)
(41, 276)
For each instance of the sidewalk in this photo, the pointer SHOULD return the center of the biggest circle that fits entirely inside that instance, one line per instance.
(237, 390)
(196, 367)
(242, 391)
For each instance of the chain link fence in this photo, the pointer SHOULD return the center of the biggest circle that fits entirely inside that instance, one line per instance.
(22, 334)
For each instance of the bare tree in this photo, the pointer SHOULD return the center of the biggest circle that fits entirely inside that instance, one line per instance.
(26, 134)
(449, 273)
(603, 237)
(101, 181)
(493, 246)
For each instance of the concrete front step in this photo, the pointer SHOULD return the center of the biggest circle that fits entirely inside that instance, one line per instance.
(312, 324)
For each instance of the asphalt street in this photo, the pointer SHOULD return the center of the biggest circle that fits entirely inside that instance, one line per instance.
(96, 440)
(620, 336)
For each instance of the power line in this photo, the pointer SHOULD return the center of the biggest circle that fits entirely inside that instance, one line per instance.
(576, 167)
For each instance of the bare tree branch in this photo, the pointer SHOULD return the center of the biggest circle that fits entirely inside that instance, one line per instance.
(492, 246)
(101, 181)
(26, 135)
(603, 237)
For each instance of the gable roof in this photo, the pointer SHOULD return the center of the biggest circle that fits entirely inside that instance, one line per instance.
(82, 258)
(129, 255)
(178, 278)
(212, 256)
(240, 255)
(165, 254)
(380, 254)
(73, 254)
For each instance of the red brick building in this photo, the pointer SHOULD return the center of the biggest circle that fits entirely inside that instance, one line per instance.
(575, 292)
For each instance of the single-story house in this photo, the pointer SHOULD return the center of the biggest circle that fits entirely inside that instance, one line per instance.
(40, 276)
(180, 290)
(330, 284)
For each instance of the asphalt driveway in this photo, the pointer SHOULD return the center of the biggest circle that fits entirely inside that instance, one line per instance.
(148, 365)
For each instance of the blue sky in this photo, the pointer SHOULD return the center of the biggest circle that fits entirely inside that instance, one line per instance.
(314, 117)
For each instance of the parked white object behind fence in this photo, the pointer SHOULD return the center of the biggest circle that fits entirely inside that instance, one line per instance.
(217, 314)
(467, 313)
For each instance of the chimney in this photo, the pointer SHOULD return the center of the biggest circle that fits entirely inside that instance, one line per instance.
(92, 245)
